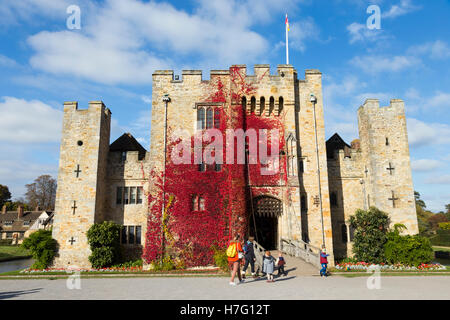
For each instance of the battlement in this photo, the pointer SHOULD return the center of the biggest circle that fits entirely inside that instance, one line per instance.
(259, 71)
(94, 106)
(372, 106)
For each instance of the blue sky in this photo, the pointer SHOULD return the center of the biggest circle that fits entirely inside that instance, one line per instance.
(121, 42)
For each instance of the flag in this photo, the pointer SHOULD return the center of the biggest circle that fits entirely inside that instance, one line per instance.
(287, 23)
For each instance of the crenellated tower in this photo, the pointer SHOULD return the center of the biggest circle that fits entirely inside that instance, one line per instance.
(80, 195)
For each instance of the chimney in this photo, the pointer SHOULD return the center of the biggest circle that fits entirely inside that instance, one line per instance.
(19, 212)
(4, 209)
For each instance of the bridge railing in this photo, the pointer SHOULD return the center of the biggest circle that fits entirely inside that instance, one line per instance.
(302, 250)
(259, 254)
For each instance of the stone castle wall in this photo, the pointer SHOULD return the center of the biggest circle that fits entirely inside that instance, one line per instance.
(84, 146)
(384, 144)
(359, 181)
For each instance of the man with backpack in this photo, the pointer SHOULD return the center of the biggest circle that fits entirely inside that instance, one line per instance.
(249, 255)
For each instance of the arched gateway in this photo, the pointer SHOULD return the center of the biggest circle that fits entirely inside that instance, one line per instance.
(264, 226)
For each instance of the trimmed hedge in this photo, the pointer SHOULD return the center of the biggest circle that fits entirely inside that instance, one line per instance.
(104, 240)
(407, 250)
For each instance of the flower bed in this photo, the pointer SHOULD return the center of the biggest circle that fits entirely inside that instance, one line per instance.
(137, 269)
(364, 266)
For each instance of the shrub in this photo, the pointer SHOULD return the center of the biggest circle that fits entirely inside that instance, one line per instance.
(42, 247)
(104, 240)
(407, 250)
(370, 229)
(348, 260)
(166, 264)
(102, 257)
(5, 242)
(220, 258)
(129, 264)
(444, 225)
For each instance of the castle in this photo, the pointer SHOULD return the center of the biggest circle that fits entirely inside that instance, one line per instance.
(320, 183)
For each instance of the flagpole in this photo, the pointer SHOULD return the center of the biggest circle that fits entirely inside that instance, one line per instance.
(287, 40)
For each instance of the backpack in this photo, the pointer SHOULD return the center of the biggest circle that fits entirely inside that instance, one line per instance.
(231, 250)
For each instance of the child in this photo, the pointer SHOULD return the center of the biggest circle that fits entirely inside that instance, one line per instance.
(268, 266)
(323, 262)
(280, 263)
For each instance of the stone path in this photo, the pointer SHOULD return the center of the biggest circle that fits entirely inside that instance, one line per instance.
(290, 287)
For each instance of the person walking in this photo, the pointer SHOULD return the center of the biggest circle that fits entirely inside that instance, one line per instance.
(280, 263)
(268, 266)
(249, 256)
(235, 254)
(323, 262)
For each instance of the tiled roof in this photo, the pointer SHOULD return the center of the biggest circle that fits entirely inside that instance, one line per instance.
(17, 223)
(337, 143)
(127, 142)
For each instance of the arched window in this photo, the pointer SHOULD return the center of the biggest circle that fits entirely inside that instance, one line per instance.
(262, 105)
(291, 146)
(280, 105)
(333, 199)
(252, 104)
(201, 118)
(244, 103)
(194, 203)
(209, 118)
(217, 118)
(217, 167)
(271, 105)
(198, 203)
(201, 204)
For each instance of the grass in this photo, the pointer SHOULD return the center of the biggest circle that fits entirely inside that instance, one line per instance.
(123, 273)
(13, 252)
(392, 274)
(438, 248)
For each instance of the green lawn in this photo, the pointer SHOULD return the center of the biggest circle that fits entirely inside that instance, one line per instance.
(11, 252)
(437, 248)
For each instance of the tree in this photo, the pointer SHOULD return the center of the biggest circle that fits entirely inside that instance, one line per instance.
(42, 192)
(419, 202)
(5, 195)
(435, 219)
(447, 213)
(370, 234)
(43, 248)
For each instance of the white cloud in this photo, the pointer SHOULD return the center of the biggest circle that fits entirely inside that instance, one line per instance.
(425, 165)
(125, 41)
(25, 121)
(404, 7)
(301, 31)
(438, 179)
(421, 133)
(15, 173)
(378, 64)
(13, 12)
(435, 50)
(359, 32)
(7, 62)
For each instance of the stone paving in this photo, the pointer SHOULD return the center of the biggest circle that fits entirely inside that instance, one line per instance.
(213, 288)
